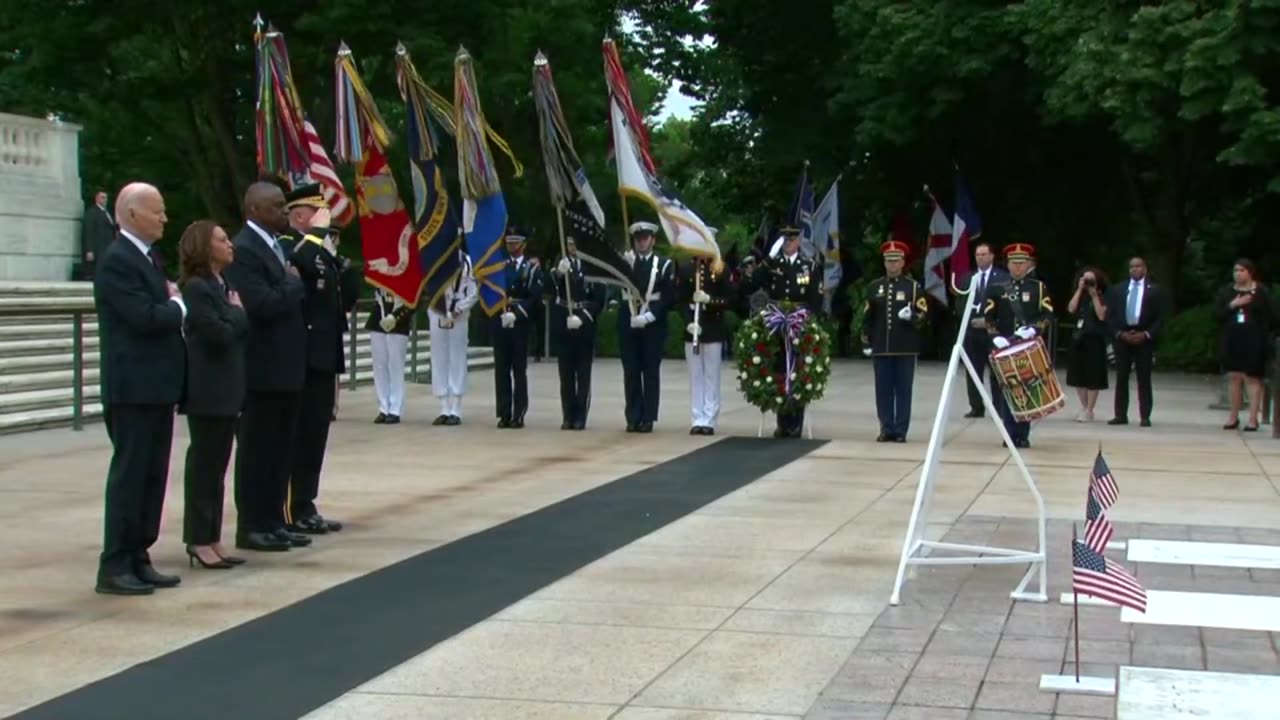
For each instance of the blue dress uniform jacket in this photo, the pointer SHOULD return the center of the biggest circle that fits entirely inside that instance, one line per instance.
(882, 329)
(642, 348)
(712, 318)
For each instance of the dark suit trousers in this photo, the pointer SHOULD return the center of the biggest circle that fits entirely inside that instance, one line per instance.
(264, 459)
(1139, 357)
(510, 370)
(576, 352)
(314, 418)
(641, 350)
(204, 477)
(895, 378)
(141, 437)
(977, 345)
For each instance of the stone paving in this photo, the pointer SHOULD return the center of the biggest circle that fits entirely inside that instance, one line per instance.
(958, 647)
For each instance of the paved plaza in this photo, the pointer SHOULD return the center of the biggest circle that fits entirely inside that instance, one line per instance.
(488, 574)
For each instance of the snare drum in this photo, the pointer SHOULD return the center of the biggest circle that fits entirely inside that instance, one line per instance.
(1026, 376)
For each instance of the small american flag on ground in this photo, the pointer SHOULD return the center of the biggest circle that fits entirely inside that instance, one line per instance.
(1093, 574)
(1097, 528)
(1102, 483)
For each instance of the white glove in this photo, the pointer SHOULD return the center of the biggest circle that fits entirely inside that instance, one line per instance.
(562, 267)
(866, 352)
(648, 317)
(387, 323)
(573, 323)
(999, 342)
(508, 319)
(701, 297)
(1026, 333)
(637, 322)
(694, 328)
(904, 313)
(630, 257)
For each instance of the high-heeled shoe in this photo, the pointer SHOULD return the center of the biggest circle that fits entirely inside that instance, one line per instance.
(232, 559)
(193, 558)
(1234, 424)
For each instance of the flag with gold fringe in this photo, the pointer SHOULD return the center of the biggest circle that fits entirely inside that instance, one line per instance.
(484, 211)
(386, 233)
(288, 145)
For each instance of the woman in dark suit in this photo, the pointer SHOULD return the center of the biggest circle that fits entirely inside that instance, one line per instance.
(1245, 311)
(216, 329)
(1087, 363)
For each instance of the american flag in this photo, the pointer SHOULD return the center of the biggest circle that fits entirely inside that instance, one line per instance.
(1097, 528)
(1102, 483)
(321, 170)
(1093, 574)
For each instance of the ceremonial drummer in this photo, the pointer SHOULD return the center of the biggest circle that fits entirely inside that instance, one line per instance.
(578, 304)
(1017, 311)
(642, 327)
(788, 276)
(388, 325)
(893, 314)
(330, 289)
(706, 295)
(449, 317)
(511, 331)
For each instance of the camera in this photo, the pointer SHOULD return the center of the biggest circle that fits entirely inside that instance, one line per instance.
(1090, 282)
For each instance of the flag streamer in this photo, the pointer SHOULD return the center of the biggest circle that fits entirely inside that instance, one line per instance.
(278, 114)
(484, 214)
(358, 114)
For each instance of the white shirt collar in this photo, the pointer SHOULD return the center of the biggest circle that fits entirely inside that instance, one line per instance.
(266, 236)
(143, 248)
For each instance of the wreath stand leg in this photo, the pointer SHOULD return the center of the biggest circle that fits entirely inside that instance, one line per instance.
(808, 423)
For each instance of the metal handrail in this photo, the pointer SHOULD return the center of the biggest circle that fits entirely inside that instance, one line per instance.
(77, 308)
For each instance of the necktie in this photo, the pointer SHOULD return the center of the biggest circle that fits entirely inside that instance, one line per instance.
(155, 260)
(1131, 309)
(275, 248)
(982, 287)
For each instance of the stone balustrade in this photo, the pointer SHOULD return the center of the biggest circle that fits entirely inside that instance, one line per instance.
(41, 202)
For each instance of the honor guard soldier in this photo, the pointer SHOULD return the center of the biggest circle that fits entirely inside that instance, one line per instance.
(388, 325)
(705, 296)
(642, 327)
(578, 304)
(324, 307)
(511, 333)
(1017, 310)
(449, 325)
(894, 311)
(789, 276)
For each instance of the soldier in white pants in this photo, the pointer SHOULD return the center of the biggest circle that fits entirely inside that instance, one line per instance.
(705, 297)
(388, 327)
(449, 343)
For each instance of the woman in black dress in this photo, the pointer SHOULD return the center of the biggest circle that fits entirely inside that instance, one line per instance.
(1087, 361)
(216, 330)
(1247, 317)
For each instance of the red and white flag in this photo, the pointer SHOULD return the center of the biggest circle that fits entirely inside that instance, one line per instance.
(321, 171)
(940, 248)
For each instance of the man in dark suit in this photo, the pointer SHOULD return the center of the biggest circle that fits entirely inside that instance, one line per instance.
(1135, 314)
(143, 369)
(977, 341)
(275, 372)
(324, 308)
(97, 231)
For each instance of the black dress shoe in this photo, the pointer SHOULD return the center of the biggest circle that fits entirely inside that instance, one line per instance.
(708, 431)
(440, 420)
(123, 584)
(503, 423)
(1024, 444)
(632, 428)
(884, 437)
(333, 525)
(899, 438)
(580, 425)
(262, 542)
(566, 425)
(974, 414)
(313, 525)
(517, 423)
(1146, 422)
(453, 420)
(294, 539)
(1118, 421)
(393, 420)
(645, 427)
(695, 430)
(382, 417)
(148, 574)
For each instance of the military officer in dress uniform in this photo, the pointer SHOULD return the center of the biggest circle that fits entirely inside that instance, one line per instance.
(1016, 311)
(642, 327)
(706, 295)
(449, 326)
(788, 276)
(894, 311)
(324, 308)
(578, 304)
(511, 330)
(388, 325)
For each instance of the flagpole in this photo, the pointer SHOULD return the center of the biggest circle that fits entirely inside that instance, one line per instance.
(564, 253)
(697, 307)
(1075, 608)
(626, 222)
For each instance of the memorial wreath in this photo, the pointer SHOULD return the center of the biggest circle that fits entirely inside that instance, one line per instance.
(784, 358)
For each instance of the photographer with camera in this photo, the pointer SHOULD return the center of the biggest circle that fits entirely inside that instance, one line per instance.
(1087, 363)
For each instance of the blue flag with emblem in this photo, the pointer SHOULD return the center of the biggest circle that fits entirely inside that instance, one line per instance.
(435, 226)
(800, 214)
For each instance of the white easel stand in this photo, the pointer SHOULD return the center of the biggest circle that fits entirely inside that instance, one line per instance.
(808, 422)
(914, 544)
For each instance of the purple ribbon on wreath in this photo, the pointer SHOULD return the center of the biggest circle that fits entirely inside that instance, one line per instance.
(792, 325)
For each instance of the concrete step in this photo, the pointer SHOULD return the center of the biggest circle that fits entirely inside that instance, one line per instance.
(45, 346)
(37, 363)
(46, 418)
(34, 329)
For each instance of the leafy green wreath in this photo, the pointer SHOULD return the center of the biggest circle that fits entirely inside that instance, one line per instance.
(760, 348)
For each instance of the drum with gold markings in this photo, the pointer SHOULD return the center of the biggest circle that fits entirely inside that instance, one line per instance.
(1026, 376)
